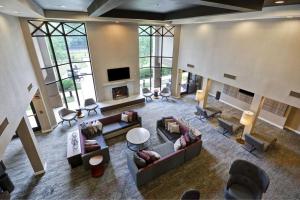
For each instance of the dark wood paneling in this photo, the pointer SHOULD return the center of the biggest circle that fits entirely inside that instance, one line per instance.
(116, 13)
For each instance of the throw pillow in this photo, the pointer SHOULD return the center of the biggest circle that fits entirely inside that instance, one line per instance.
(169, 125)
(90, 142)
(174, 128)
(177, 145)
(187, 138)
(196, 132)
(130, 115)
(124, 117)
(166, 121)
(98, 125)
(145, 156)
(91, 147)
(192, 137)
(153, 155)
(182, 142)
(139, 162)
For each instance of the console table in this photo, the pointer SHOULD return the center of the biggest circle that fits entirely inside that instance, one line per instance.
(73, 149)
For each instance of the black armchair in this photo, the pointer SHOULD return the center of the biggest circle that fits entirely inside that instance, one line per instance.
(207, 113)
(246, 181)
(191, 195)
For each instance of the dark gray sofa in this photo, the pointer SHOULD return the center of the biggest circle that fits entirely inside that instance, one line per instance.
(169, 160)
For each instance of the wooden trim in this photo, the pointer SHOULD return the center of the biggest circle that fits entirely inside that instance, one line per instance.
(3, 125)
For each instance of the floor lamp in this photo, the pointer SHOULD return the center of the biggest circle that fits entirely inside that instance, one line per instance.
(246, 120)
(199, 96)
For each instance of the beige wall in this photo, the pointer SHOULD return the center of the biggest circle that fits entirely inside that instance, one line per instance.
(269, 117)
(263, 54)
(16, 74)
(293, 120)
(113, 45)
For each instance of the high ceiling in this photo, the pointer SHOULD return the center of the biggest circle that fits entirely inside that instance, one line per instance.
(158, 9)
(64, 5)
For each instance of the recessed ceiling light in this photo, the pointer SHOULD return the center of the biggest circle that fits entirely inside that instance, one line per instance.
(17, 12)
(62, 6)
(117, 22)
(290, 17)
(1, 6)
(279, 2)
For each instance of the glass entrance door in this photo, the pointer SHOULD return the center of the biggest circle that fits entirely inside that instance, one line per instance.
(33, 119)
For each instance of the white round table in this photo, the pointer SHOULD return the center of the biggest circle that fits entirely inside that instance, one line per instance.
(137, 136)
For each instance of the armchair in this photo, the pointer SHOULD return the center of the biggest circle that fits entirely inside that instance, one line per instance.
(147, 94)
(67, 115)
(165, 93)
(90, 105)
(246, 181)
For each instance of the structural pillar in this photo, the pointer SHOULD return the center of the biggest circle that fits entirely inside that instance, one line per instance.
(30, 145)
(255, 107)
(205, 87)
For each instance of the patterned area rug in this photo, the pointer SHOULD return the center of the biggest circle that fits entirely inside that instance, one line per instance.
(208, 172)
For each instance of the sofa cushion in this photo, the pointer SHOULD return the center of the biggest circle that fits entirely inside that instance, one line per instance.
(110, 119)
(171, 136)
(139, 162)
(116, 126)
(164, 149)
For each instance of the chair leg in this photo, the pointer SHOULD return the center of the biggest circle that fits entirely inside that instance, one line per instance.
(89, 112)
(95, 111)
(70, 123)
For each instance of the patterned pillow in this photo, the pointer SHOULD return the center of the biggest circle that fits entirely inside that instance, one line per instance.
(169, 125)
(187, 138)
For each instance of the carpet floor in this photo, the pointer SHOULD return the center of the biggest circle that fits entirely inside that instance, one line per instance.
(208, 172)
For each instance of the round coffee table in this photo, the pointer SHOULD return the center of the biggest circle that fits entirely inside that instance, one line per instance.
(137, 137)
(97, 169)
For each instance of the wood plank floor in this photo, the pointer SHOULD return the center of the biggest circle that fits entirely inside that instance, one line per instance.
(208, 172)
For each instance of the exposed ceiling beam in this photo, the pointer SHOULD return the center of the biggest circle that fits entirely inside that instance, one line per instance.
(99, 7)
(227, 5)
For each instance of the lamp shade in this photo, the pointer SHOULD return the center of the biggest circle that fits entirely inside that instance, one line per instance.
(247, 118)
(199, 95)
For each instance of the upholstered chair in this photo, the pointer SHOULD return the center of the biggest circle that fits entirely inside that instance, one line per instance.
(165, 93)
(67, 115)
(147, 94)
(90, 105)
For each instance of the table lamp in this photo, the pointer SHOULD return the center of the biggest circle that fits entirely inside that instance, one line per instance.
(246, 119)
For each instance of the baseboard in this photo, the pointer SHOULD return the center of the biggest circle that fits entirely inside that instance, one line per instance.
(42, 171)
(291, 129)
(265, 120)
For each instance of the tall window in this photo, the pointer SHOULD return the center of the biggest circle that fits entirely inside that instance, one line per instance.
(155, 54)
(67, 68)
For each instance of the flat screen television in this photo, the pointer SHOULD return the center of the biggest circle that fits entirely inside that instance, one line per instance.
(118, 74)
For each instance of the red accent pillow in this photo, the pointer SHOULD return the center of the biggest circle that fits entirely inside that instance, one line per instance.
(130, 115)
(91, 147)
(144, 156)
(187, 138)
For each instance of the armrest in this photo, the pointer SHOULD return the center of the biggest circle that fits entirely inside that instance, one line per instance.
(132, 167)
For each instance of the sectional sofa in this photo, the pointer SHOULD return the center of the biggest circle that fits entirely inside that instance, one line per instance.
(170, 159)
(112, 126)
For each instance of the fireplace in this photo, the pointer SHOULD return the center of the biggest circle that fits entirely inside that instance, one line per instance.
(120, 92)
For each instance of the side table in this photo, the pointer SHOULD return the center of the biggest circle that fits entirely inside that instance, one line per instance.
(97, 168)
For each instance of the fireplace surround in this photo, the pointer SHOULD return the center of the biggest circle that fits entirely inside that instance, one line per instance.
(120, 92)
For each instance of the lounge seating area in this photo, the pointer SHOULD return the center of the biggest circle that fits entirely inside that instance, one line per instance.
(207, 113)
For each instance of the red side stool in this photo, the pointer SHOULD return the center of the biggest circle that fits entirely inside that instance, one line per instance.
(97, 168)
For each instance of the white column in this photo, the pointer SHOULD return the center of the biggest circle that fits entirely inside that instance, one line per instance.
(30, 145)
(205, 87)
